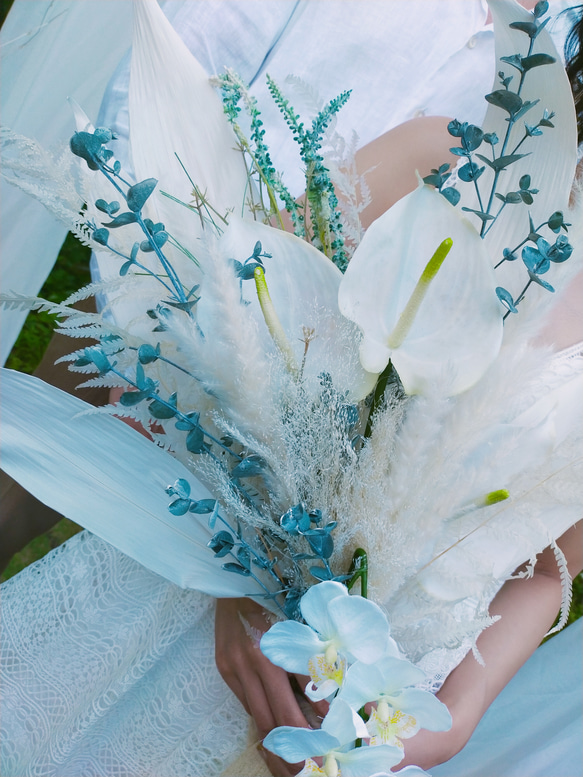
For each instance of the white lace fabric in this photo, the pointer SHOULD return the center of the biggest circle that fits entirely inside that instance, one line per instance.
(109, 670)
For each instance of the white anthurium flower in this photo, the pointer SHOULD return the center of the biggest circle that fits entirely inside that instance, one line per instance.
(340, 629)
(400, 710)
(440, 324)
(550, 158)
(302, 305)
(334, 742)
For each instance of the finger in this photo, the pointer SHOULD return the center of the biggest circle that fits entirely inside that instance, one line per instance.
(237, 689)
(259, 706)
(282, 699)
(277, 767)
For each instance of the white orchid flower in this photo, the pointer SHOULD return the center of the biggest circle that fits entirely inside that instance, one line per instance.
(335, 743)
(400, 710)
(340, 629)
(441, 326)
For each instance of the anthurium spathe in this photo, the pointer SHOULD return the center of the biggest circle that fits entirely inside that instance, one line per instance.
(335, 743)
(340, 630)
(303, 289)
(400, 710)
(456, 331)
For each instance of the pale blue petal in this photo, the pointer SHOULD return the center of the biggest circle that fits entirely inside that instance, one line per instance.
(343, 723)
(361, 685)
(323, 691)
(368, 760)
(361, 626)
(426, 708)
(296, 744)
(290, 644)
(368, 682)
(315, 604)
(398, 674)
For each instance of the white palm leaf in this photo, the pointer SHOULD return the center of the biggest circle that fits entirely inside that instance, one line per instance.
(173, 112)
(551, 157)
(107, 477)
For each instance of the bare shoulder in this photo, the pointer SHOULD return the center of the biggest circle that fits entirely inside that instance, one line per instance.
(564, 326)
(391, 161)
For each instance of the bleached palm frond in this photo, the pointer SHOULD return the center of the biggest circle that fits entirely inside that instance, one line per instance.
(566, 589)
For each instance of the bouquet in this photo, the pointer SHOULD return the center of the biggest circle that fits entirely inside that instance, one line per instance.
(341, 410)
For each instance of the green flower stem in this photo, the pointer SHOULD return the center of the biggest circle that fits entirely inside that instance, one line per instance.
(178, 290)
(146, 270)
(273, 322)
(502, 206)
(359, 570)
(519, 299)
(272, 201)
(405, 322)
(200, 196)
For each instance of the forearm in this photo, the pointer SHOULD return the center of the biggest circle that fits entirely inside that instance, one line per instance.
(527, 609)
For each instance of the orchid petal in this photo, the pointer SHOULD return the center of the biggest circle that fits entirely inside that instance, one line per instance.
(296, 744)
(361, 627)
(315, 603)
(426, 708)
(303, 285)
(398, 673)
(368, 760)
(323, 691)
(71, 462)
(366, 682)
(290, 644)
(175, 112)
(344, 723)
(552, 156)
(457, 331)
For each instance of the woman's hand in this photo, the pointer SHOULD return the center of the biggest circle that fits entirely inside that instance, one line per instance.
(263, 689)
